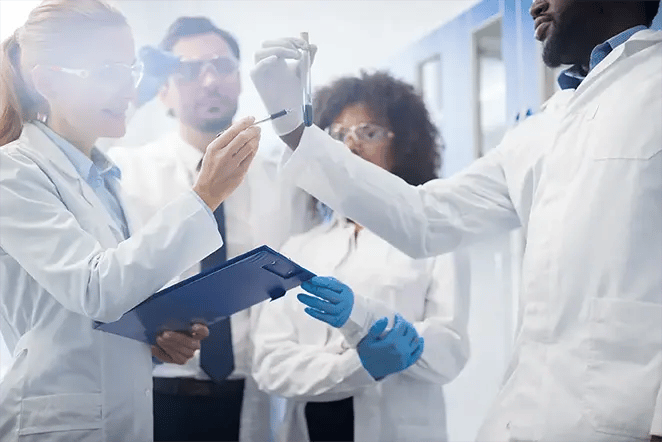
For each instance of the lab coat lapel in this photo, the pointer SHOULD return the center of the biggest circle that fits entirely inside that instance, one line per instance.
(638, 42)
(56, 158)
(130, 213)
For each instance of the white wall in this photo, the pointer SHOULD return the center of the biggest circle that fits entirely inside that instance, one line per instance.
(351, 34)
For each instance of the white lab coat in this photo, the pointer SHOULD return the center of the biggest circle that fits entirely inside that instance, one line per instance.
(304, 359)
(63, 265)
(587, 363)
(260, 211)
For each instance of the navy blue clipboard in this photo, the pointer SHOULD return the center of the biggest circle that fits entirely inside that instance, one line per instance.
(212, 295)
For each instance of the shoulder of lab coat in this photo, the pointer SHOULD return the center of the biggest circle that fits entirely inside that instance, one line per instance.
(444, 325)
(56, 234)
(422, 221)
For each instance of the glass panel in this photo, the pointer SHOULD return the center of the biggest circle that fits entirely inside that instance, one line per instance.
(490, 81)
(429, 80)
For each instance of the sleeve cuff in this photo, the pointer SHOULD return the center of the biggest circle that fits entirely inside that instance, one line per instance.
(358, 324)
(207, 208)
(364, 314)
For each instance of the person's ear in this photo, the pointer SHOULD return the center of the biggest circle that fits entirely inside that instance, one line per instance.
(45, 82)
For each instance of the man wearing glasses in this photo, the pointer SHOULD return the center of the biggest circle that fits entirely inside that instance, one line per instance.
(201, 91)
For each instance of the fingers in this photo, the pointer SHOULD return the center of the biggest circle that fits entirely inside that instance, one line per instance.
(178, 341)
(378, 328)
(280, 52)
(246, 162)
(161, 355)
(329, 295)
(173, 358)
(329, 319)
(399, 329)
(286, 42)
(179, 346)
(285, 48)
(418, 352)
(246, 143)
(327, 282)
(231, 132)
(199, 331)
(319, 304)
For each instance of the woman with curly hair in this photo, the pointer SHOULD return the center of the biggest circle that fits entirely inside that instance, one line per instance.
(333, 389)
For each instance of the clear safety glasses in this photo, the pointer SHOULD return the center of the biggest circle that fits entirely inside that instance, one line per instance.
(190, 70)
(366, 132)
(113, 74)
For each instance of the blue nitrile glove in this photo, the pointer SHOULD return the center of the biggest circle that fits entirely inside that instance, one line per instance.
(332, 303)
(394, 351)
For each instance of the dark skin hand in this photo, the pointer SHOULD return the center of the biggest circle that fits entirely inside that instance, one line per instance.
(178, 347)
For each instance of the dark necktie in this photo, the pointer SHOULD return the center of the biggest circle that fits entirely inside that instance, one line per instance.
(216, 355)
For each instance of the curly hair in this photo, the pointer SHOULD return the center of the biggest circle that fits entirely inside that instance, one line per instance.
(416, 147)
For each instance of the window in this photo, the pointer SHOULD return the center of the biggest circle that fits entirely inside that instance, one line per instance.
(489, 88)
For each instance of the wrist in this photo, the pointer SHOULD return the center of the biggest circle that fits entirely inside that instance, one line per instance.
(208, 199)
(293, 138)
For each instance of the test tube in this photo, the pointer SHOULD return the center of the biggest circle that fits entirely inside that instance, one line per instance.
(307, 90)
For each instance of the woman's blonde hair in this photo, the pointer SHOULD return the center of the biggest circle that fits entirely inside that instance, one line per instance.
(52, 28)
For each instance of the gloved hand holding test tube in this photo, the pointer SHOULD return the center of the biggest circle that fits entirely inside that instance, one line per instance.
(286, 61)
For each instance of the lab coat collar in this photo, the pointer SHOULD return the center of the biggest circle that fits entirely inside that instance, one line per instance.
(40, 145)
(638, 42)
(32, 136)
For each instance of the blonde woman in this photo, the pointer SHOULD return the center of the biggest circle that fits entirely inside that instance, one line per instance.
(69, 252)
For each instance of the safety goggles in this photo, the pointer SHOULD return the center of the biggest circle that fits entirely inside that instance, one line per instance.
(223, 66)
(366, 132)
(113, 74)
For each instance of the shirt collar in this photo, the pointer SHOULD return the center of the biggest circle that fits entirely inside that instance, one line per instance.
(90, 169)
(572, 77)
(187, 154)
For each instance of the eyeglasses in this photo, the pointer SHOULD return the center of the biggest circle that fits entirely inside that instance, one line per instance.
(115, 74)
(192, 69)
(366, 132)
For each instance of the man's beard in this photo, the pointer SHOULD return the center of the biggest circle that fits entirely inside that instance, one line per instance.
(567, 41)
(557, 43)
(216, 125)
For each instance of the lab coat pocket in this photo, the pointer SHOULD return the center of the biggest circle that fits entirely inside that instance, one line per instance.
(63, 417)
(620, 134)
(623, 367)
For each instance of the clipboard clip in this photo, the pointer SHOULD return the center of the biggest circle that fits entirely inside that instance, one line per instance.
(281, 269)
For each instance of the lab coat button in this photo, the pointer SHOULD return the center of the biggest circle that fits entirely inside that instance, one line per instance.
(508, 425)
(146, 392)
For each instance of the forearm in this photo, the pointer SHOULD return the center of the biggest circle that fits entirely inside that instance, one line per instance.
(306, 372)
(419, 220)
(293, 138)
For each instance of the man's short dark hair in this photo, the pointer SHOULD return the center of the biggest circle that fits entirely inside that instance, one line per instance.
(651, 9)
(189, 26)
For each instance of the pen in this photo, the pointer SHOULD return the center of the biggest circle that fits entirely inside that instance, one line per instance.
(273, 116)
(269, 118)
